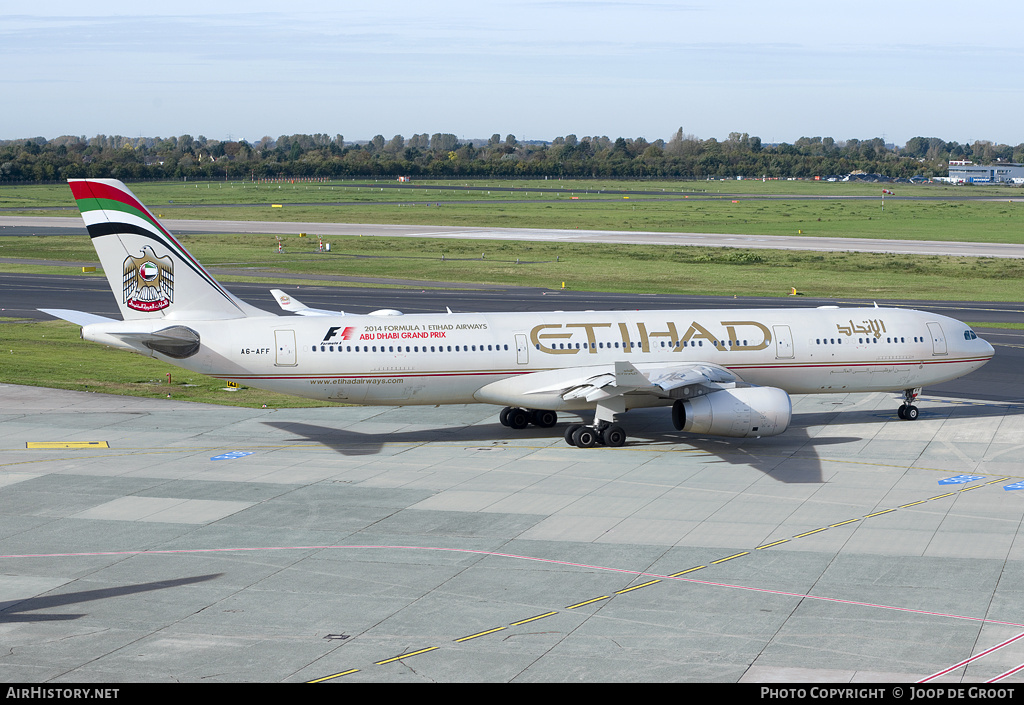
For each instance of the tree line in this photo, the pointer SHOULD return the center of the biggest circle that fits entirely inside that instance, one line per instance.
(443, 155)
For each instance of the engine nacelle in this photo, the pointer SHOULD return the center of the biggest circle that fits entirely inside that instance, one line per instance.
(738, 413)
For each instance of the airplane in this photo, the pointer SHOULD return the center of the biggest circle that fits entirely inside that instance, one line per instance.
(723, 372)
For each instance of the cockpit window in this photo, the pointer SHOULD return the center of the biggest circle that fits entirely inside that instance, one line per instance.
(970, 335)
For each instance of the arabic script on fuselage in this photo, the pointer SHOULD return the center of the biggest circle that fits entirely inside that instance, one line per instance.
(874, 327)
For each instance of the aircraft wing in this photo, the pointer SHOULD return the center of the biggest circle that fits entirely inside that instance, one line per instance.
(599, 382)
(657, 380)
(293, 305)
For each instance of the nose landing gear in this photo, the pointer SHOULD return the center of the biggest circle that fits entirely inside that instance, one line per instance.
(907, 411)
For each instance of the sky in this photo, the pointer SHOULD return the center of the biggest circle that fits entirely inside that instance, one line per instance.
(537, 69)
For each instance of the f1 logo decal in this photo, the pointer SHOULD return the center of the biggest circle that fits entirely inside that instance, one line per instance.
(346, 334)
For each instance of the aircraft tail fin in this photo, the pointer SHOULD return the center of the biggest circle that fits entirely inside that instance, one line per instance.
(151, 274)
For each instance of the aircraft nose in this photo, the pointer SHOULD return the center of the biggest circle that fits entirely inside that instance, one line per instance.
(989, 350)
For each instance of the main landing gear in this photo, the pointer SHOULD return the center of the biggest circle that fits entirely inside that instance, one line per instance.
(514, 417)
(907, 411)
(579, 435)
(603, 433)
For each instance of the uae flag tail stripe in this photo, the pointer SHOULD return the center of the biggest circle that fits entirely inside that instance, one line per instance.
(96, 198)
(93, 195)
(110, 209)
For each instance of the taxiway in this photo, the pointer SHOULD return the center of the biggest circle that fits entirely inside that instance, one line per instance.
(425, 545)
(32, 225)
(179, 542)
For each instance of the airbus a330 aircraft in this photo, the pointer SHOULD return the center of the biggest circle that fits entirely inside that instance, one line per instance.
(722, 372)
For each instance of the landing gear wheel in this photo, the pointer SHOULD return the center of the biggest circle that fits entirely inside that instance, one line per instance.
(584, 437)
(543, 418)
(570, 431)
(517, 418)
(908, 412)
(503, 416)
(613, 436)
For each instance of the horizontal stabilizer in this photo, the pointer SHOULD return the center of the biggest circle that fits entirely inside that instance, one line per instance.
(293, 305)
(79, 318)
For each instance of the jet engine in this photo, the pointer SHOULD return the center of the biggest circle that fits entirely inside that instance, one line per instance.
(738, 413)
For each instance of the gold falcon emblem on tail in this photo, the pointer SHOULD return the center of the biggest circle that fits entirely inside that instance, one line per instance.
(148, 281)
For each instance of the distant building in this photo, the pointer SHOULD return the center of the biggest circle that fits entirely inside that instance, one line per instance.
(966, 172)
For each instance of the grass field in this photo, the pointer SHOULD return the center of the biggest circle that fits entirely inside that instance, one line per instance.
(51, 353)
(740, 207)
(584, 266)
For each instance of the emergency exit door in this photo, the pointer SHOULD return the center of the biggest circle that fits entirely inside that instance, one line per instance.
(522, 349)
(783, 342)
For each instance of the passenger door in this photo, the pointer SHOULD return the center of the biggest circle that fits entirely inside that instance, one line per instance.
(938, 339)
(285, 354)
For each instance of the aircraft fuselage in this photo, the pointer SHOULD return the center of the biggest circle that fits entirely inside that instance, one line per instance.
(446, 358)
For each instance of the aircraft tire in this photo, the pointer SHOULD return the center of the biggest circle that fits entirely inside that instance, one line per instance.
(613, 436)
(518, 418)
(911, 413)
(570, 432)
(902, 411)
(503, 416)
(543, 418)
(584, 437)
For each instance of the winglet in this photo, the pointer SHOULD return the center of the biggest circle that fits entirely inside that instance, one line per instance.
(626, 375)
(293, 305)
